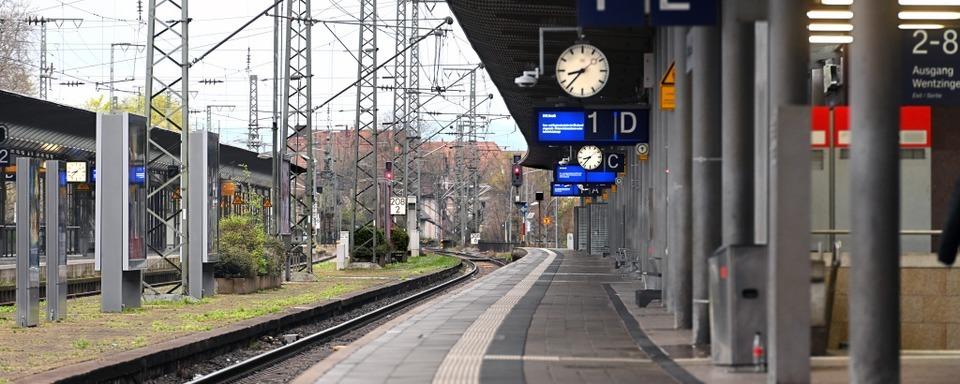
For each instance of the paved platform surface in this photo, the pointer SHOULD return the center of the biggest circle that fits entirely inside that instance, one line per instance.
(551, 317)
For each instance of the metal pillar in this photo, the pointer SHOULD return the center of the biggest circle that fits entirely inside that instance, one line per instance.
(788, 312)
(45, 73)
(297, 130)
(413, 161)
(275, 207)
(55, 212)
(399, 123)
(705, 169)
(737, 125)
(366, 198)
(28, 242)
(874, 177)
(168, 53)
(254, 142)
(680, 189)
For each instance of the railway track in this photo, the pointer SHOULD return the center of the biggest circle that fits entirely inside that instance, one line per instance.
(90, 286)
(275, 357)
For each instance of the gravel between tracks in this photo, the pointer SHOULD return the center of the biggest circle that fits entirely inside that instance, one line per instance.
(288, 369)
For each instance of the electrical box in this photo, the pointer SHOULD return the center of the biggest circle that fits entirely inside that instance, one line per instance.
(738, 300)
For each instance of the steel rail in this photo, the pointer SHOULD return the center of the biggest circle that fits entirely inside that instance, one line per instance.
(254, 364)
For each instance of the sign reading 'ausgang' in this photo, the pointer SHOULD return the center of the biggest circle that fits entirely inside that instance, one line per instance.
(932, 67)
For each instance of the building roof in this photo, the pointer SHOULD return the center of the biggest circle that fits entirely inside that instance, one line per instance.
(51, 130)
(505, 34)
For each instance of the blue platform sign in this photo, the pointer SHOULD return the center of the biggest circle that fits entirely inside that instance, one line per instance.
(575, 174)
(932, 65)
(610, 13)
(564, 190)
(572, 126)
(683, 12)
(569, 174)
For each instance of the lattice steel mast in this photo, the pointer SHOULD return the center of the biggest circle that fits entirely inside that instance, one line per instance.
(46, 70)
(366, 197)
(298, 129)
(167, 77)
(253, 128)
(400, 91)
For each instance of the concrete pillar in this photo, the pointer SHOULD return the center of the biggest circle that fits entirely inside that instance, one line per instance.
(706, 151)
(874, 176)
(788, 312)
(737, 126)
(679, 270)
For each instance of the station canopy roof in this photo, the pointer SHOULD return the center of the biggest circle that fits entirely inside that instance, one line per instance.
(506, 36)
(51, 130)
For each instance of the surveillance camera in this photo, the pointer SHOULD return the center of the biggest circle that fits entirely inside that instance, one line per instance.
(527, 80)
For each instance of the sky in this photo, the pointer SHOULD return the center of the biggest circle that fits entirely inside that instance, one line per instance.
(80, 52)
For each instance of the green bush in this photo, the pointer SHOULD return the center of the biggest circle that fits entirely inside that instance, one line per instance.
(246, 250)
(400, 239)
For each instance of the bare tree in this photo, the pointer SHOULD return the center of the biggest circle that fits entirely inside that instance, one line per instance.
(14, 44)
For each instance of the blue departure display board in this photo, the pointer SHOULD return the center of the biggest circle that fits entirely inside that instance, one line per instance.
(564, 190)
(570, 126)
(575, 174)
(138, 175)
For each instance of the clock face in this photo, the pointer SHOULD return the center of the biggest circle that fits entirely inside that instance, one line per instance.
(589, 157)
(77, 172)
(582, 70)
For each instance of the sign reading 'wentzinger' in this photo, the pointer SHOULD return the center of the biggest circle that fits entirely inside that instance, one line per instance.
(931, 67)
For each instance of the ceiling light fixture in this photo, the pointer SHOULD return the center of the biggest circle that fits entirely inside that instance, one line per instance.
(929, 15)
(922, 26)
(830, 39)
(830, 15)
(830, 27)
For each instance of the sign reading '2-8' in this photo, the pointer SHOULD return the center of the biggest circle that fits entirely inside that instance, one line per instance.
(592, 126)
(932, 67)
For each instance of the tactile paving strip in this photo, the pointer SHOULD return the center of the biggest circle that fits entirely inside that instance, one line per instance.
(462, 364)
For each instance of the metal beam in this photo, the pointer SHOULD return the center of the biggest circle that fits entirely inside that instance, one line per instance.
(167, 94)
(297, 131)
(366, 197)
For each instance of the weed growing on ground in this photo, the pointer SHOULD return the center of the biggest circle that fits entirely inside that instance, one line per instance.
(81, 344)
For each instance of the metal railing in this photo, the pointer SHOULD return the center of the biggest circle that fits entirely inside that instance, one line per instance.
(8, 241)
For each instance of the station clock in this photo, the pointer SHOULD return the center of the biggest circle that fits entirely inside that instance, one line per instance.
(582, 70)
(590, 157)
(76, 172)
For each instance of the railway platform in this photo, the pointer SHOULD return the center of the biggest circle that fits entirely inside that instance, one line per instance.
(552, 317)
(556, 317)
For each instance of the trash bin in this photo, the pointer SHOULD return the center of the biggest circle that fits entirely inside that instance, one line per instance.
(738, 276)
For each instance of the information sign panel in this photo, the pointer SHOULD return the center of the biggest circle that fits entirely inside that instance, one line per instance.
(565, 126)
(575, 174)
(932, 62)
(398, 205)
(610, 13)
(683, 12)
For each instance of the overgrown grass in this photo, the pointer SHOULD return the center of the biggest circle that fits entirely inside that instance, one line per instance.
(423, 264)
(505, 256)
(414, 266)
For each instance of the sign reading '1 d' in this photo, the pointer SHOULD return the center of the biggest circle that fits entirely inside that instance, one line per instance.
(593, 126)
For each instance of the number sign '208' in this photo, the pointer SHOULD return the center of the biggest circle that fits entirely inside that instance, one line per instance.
(931, 65)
